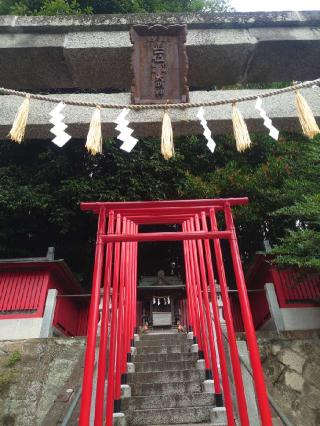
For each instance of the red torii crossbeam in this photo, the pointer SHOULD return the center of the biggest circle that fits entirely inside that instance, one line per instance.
(115, 270)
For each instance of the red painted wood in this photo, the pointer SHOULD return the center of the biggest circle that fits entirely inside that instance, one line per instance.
(296, 288)
(19, 293)
(143, 205)
(23, 294)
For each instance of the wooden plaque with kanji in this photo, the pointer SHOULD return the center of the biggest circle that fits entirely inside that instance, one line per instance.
(160, 64)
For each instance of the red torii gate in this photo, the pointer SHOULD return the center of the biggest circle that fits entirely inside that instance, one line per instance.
(116, 267)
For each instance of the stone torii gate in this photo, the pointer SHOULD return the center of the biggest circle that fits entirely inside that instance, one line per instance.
(61, 53)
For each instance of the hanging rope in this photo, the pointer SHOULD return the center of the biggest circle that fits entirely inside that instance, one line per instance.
(230, 101)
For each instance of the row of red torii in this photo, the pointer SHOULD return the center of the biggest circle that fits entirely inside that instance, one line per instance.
(115, 270)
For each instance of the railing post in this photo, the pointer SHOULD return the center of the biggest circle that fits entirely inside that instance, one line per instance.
(48, 315)
(113, 331)
(260, 386)
(87, 383)
(217, 324)
(274, 307)
(190, 293)
(197, 284)
(236, 367)
(100, 393)
(120, 323)
(204, 286)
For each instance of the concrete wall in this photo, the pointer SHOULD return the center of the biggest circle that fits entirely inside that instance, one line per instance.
(288, 319)
(301, 318)
(31, 328)
(25, 328)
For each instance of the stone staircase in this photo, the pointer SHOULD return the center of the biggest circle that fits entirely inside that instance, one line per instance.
(166, 386)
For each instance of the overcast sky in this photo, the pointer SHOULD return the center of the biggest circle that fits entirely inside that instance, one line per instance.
(258, 5)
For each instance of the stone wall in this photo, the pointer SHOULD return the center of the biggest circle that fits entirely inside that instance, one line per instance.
(38, 377)
(35, 376)
(291, 363)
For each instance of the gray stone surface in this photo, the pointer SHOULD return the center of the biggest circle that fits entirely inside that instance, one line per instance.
(165, 388)
(164, 376)
(281, 109)
(218, 415)
(175, 357)
(248, 384)
(194, 348)
(164, 365)
(208, 386)
(293, 380)
(125, 391)
(130, 367)
(168, 396)
(167, 416)
(172, 401)
(201, 364)
(46, 327)
(39, 386)
(292, 373)
(172, 340)
(119, 419)
(91, 52)
(292, 360)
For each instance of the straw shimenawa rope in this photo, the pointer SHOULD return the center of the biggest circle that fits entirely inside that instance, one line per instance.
(240, 130)
(94, 138)
(306, 117)
(18, 129)
(230, 101)
(167, 147)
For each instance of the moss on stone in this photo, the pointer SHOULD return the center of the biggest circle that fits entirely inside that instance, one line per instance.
(14, 358)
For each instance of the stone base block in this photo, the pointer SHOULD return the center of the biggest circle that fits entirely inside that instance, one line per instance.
(208, 386)
(190, 335)
(133, 350)
(125, 391)
(130, 367)
(136, 338)
(201, 364)
(218, 415)
(119, 419)
(194, 348)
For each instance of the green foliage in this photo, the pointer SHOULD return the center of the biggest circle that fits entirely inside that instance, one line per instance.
(14, 358)
(42, 186)
(6, 378)
(301, 245)
(67, 7)
(8, 373)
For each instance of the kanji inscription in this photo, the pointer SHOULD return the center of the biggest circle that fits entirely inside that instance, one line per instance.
(160, 64)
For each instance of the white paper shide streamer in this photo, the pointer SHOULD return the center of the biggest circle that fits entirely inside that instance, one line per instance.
(129, 142)
(61, 137)
(207, 132)
(273, 132)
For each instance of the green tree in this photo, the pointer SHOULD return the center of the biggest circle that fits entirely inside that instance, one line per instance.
(42, 186)
(301, 244)
(67, 7)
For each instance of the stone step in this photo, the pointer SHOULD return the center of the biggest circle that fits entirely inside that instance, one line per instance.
(146, 389)
(162, 337)
(164, 365)
(175, 400)
(165, 357)
(164, 376)
(165, 416)
(162, 342)
(198, 424)
(164, 349)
